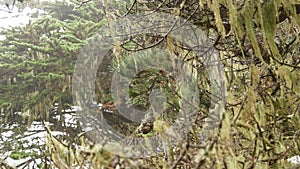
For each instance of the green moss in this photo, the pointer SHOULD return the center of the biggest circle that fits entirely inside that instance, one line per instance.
(17, 155)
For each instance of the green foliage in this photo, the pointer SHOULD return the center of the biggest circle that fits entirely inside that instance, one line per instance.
(19, 155)
(37, 60)
(144, 82)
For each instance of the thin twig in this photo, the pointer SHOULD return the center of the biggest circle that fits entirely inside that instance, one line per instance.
(81, 3)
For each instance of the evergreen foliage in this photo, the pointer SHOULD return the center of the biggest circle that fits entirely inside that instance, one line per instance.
(37, 60)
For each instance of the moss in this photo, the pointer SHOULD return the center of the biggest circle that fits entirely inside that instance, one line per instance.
(17, 155)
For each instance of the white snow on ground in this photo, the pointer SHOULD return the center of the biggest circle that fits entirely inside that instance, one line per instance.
(36, 135)
(294, 160)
